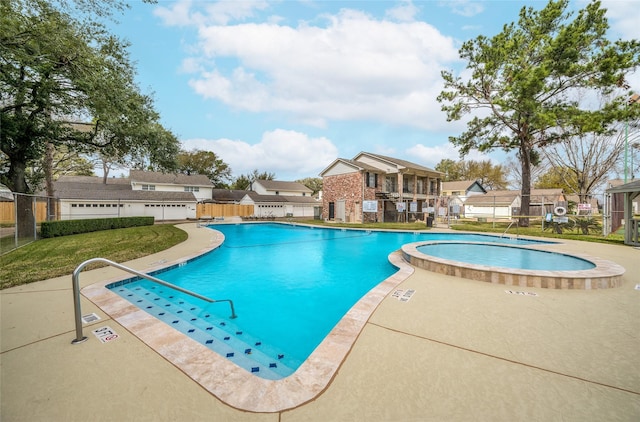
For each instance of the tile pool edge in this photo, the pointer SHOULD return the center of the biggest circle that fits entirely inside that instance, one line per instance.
(230, 383)
(606, 274)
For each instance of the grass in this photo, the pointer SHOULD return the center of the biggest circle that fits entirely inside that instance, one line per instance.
(498, 227)
(59, 256)
(536, 230)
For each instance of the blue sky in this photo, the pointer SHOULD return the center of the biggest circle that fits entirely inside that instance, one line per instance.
(288, 86)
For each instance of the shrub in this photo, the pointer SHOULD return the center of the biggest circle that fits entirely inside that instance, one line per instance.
(68, 227)
(587, 225)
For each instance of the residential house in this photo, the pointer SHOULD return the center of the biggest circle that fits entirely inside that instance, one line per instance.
(198, 184)
(373, 187)
(494, 204)
(163, 196)
(277, 199)
(456, 194)
(271, 199)
(501, 204)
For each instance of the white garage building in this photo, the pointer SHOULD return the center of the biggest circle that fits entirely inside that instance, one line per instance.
(158, 195)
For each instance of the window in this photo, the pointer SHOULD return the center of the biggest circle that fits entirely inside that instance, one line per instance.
(390, 184)
(421, 188)
(433, 188)
(371, 180)
(148, 187)
(192, 189)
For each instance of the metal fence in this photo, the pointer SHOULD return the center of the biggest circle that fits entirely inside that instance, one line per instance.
(607, 211)
(20, 218)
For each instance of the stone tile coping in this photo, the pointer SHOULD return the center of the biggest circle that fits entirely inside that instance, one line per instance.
(606, 274)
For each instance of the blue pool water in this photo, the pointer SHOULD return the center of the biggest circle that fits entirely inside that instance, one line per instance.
(506, 257)
(290, 286)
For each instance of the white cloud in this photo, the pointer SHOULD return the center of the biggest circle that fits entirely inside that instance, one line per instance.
(317, 74)
(624, 17)
(181, 13)
(289, 154)
(465, 8)
(430, 156)
(406, 12)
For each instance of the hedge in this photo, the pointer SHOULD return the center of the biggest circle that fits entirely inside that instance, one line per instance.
(67, 227)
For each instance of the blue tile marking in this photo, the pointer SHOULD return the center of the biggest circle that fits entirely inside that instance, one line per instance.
(238, 346)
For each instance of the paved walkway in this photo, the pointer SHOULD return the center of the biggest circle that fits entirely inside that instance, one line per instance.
(459, 350)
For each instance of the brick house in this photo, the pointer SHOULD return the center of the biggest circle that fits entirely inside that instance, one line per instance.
(372, 187)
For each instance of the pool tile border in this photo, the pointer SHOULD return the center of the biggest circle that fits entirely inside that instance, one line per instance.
(606, 274)
(229, 382)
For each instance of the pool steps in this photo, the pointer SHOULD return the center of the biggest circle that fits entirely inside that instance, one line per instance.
(214, 332)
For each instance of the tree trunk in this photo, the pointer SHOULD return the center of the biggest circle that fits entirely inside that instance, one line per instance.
(525, 191)
(48, 169)
(25, 218)
(105, 172)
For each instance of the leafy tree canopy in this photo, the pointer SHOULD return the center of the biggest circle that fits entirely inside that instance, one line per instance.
(206, 163)
(558, 177)
(56, 71)
(313, 183)
(244, 181)
(489, 175)
(522, 81)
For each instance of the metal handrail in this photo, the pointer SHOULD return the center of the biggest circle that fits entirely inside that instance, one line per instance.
(80, 338)
(511, 224)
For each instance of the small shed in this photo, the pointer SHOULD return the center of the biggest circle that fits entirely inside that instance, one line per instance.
(630, 192)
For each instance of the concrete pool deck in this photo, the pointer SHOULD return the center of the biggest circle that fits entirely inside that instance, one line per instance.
(457, 350)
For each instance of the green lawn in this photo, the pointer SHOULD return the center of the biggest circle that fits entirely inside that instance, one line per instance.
(535, 229)
(54, 257)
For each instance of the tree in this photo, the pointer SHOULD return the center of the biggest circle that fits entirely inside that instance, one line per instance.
(313, 183)
(582, 164)
(56, 71)
(557, 177)
(522, 80)
(206, 163)
(451, 169)
(47, 84)
(489, 175)
(56, 163)
(244, 181)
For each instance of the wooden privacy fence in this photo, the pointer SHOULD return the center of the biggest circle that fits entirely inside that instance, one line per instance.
(223, 210)
(8, 212)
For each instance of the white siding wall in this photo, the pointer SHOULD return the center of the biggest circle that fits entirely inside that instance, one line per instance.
(202, 193)
(339, 168)
(472, 211)
(76, 210)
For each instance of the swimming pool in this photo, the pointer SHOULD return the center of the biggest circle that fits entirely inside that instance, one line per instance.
(523, 266)
(505, 256)
(290, 285)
